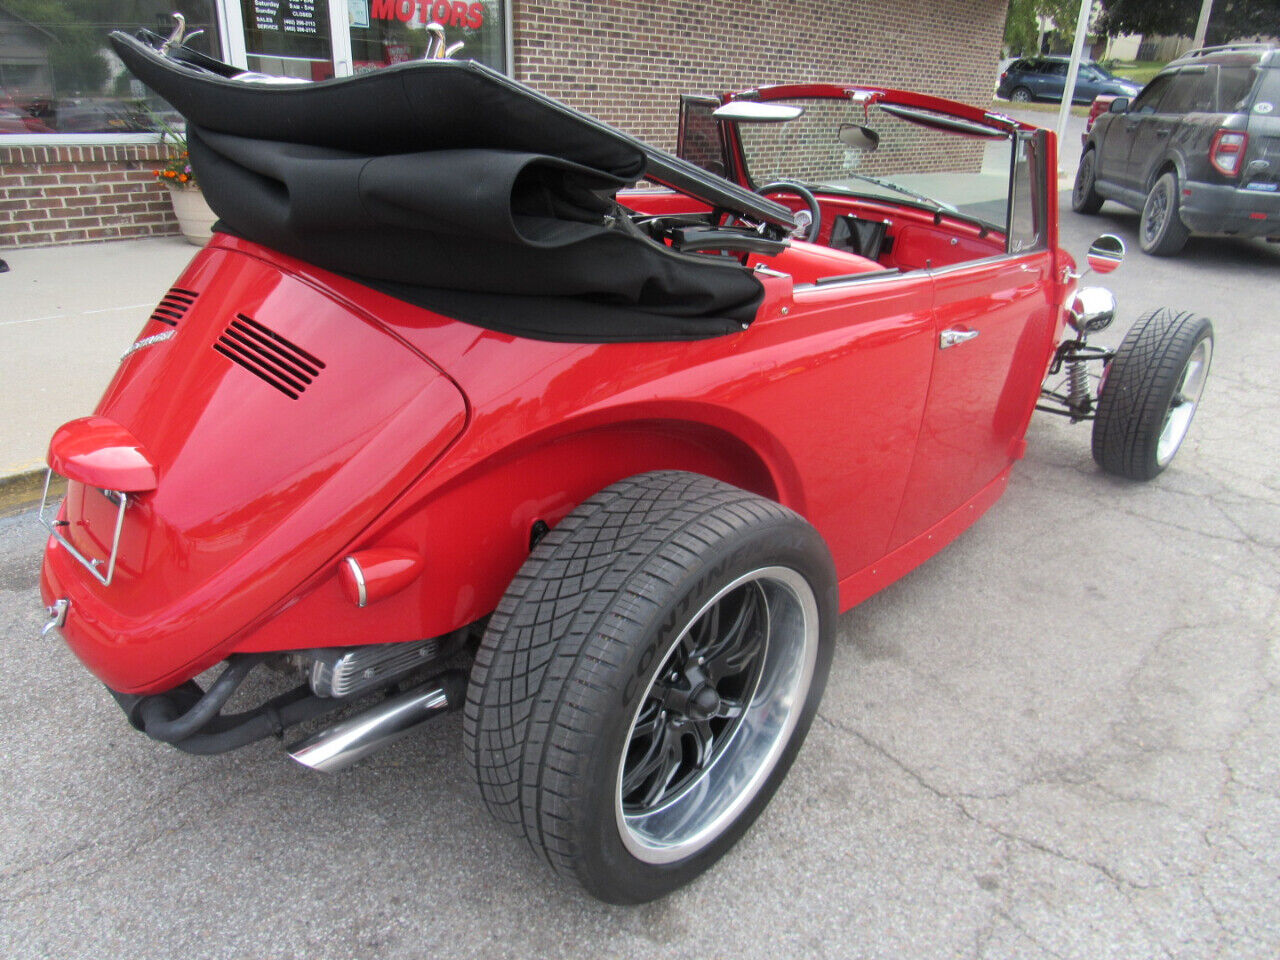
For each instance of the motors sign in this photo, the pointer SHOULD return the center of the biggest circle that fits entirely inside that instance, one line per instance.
(455, 14)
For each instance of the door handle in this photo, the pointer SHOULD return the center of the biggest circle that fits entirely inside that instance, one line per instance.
(1161, 134)
(949, 338)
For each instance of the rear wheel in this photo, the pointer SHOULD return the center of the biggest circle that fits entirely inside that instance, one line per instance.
(1020, 95)
(1150, 392)
(1161, 231)
(648, 678)
(1084, 196)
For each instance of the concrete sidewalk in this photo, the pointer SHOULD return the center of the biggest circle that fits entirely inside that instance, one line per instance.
(68, 314)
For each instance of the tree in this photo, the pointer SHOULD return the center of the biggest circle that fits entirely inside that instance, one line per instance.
(1022, 27)
(1230, 20)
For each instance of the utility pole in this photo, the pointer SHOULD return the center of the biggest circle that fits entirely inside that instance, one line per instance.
(1073, 69)
(1202, 26)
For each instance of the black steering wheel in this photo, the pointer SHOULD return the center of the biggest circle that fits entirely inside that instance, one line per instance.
(802, 232)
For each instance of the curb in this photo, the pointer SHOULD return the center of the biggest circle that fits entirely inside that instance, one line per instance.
(21, 491)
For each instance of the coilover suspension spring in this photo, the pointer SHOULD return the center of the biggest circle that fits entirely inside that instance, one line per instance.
(1079, 399)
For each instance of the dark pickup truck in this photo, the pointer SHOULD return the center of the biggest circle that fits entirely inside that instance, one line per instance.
(1198, 151)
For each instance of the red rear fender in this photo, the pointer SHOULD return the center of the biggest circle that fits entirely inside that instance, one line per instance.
(277, 423)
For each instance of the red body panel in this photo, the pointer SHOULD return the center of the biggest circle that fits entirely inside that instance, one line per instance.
(416, 433)
(256, 490)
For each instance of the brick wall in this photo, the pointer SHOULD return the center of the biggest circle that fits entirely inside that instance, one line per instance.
(628, 61)
(625, 61)
(70, 194)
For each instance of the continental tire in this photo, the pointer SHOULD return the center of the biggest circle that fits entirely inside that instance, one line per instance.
(1150, 393)
(648, 678)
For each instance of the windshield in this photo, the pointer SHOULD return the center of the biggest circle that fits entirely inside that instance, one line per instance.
(913, 164)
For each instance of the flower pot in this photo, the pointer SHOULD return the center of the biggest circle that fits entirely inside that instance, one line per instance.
(194, 216)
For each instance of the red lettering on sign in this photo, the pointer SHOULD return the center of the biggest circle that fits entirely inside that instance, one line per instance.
(444, 12)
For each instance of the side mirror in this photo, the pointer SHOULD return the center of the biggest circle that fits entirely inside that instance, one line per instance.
(1119, 105)
(1106, 253)
(753, 111)
(1092, 309)
(859, 138)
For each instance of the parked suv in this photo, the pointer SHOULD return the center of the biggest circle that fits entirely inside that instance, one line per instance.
(1197, 151)
(1042, 78)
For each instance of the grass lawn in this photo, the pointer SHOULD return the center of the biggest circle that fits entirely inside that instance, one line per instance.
(1139, 71)
(1003, 106)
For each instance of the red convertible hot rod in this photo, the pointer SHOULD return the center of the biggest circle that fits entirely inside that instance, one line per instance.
(474, 402)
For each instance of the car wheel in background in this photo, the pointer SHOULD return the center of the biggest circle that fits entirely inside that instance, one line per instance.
(1020, 95)
(1084, 195)
(1150, 392)
(1161, 231)
(647, 679)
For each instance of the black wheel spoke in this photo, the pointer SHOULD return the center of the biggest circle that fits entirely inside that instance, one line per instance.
(730, 709)
(655, 757)
(704, 740)
(742, 644)
(665, 768)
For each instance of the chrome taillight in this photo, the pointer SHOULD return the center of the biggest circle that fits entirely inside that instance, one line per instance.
(1227, 150)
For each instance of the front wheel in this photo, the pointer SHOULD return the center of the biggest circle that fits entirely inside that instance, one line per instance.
(1021, 95)
(648, 679)
(1150, 392)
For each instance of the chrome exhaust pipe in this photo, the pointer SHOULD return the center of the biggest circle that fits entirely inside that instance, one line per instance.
(338, 747)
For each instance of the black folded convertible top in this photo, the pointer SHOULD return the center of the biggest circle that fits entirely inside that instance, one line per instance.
(454, 187)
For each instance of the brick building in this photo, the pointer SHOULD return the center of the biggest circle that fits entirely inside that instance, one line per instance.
(76, 161)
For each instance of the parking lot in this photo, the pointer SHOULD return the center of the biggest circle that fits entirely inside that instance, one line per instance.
(1055, 739)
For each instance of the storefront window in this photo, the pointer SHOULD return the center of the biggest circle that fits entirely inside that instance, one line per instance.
(59, 76)
(57, 71)
(384, 32)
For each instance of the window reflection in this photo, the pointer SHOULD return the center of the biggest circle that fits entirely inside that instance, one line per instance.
(57, 71)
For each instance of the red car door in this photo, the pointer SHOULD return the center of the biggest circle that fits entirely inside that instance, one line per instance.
(994, 326)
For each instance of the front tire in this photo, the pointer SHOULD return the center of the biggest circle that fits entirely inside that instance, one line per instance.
(1021, 95)
(1084, 195)
(1150, 392)
(1161, 231)
(648, 679)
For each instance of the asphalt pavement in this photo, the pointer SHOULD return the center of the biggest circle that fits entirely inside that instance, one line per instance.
(1056, 739)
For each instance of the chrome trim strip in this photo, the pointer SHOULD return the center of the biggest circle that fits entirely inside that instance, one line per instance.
(51, 524)
(148, 341)
(354, 566)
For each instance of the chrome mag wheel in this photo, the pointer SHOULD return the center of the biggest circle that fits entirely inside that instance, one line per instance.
(1186, 397)
(716, 715)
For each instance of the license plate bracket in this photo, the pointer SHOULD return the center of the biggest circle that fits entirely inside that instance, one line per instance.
(101, 570)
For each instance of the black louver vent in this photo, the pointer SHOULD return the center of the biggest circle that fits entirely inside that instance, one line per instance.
(174, 305)
(268, 356)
